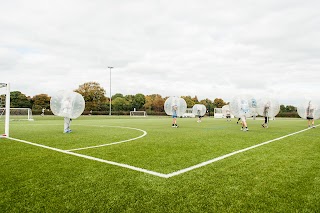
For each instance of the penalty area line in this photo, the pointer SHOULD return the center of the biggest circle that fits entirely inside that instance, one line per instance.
(92, 158)
(230, 154)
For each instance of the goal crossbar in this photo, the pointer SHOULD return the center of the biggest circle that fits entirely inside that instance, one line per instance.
(138, 113)
(18, 113)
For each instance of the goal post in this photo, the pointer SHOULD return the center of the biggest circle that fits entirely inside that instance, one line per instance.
(218, 113)
(5, 103)
(18, 114)
(138, 114)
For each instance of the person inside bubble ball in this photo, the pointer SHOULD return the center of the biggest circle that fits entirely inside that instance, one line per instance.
(244, 110)
(310, 115)
(174, 116)
(199, 116)
(266, 115)
(228, 115)
(66, 108)
(43, 110)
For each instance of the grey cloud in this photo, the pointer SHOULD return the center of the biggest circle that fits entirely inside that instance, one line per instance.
(207, 48)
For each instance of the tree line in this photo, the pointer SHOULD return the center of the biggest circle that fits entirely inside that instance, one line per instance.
(98, 103)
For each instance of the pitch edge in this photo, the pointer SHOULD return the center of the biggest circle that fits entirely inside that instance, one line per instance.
(114, 143)
(179, 172)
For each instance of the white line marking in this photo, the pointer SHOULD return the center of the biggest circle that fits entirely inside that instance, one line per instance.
(157, 173)
(93, 158)
(230, 154)
(109, 144)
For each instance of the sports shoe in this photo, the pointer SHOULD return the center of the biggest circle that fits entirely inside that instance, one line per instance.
(246, 129)
(176, 126)
(262, 125)
(313, 126)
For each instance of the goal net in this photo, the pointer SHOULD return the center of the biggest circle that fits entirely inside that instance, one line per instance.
(5, 111)
(138, 113)
(18, 114)
(218, 113)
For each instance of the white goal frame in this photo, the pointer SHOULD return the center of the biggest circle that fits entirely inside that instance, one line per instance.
(218, 113)
(28, 115)
(7, 111)
(142, 114)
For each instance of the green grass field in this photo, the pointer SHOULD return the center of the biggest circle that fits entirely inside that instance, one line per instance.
(152, 172)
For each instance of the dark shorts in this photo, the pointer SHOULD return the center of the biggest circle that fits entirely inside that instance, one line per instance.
(309, 118)
(174, 116)
(228, 116)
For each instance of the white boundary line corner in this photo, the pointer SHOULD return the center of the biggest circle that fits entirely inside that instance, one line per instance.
(157, 173)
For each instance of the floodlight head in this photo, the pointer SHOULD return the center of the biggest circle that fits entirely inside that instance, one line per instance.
(175, 103)
(67, 104)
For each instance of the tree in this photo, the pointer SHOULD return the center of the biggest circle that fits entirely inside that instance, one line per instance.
(129, 102)
(190, 102)
(158, 103)
(290, 108)
(19, 100)
(94, 96)
(138, 101)
(119, 104)
(208, 103)
(154, 102)
(195, 99)
(117, 95)
(148, 102)
(41, 101)
(219, 103)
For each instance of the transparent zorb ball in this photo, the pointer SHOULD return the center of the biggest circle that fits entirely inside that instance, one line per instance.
(226, 110)
(268, 107)
(243, 105)
(67, 104)
(309, 109)
(175, 102)
(199, 110)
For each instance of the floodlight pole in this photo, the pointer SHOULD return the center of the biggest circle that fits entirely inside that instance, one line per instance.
(110, 91)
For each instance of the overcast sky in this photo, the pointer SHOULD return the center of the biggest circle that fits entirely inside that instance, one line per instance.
(210, 48)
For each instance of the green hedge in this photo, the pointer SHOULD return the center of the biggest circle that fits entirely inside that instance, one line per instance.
(288, 115)
(39, 112)
(49, 112)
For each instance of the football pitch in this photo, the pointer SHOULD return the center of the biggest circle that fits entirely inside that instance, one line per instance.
(124, 164)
